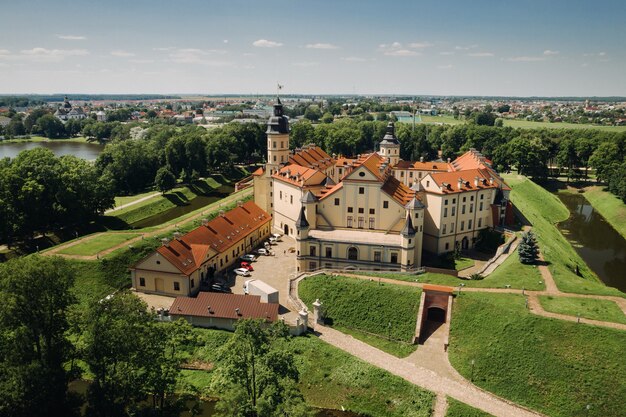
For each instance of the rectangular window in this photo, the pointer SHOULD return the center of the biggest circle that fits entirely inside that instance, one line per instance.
(482, 196)
(385, 204)
(471, 207)
(462, 225)
(361, 222)
(463, 209)
(274, 144)
(280, 195)
(142, 282)
(447, 246)
(445, 212)
(469, 225)
(451, 227)
(464, 198)
(417, 215)
(444, 230)
(394, 258)
(454, 201)
(329, 252)
(282, 144)
(445, 202)
(472, 198)
(372, 222)
(361, 190)
(377, 256)
(361, 210)
(480, 222)
(350, 209)
(453, 210)
(372, 211)
(312, 266)
(193, 283)
(336, 201)
(349, 222)
(312, 251)
(402, 174)
(480, 207)
(410, 175)
(291, 199)
(176, 286)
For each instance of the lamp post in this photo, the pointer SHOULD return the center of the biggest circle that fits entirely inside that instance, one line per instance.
(588, 407)
(389, 331)
(472, 372)
(461, 285)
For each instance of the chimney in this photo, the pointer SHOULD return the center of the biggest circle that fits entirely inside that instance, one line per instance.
(449, 160)
(490, 180)
(460, 183)
(421, 159)
(165, 241)
(475, 181)
(205, 222)
(444, 186)
(439, 154)
(238, 312)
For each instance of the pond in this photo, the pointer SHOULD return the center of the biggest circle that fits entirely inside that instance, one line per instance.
(83, 150)
(595, 240)
(198, 202)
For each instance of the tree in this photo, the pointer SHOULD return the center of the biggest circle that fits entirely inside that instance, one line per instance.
(258, 374)
(313, 113)
(528, 250)
(164, 180)
(36, 293)
(51, 127)
(301, 133)
(504, 108)
(485, 118)
(327, 118)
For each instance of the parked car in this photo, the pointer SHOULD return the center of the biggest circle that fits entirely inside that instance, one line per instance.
(217, 287)
(242, 271)
(262, 251)
(277, 235)
(247, 266)
(247, 258)
(273, 240)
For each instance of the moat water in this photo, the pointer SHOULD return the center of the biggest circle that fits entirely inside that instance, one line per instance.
(595, 240)
(83, 150)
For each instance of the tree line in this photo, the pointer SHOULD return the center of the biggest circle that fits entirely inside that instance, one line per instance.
(48, 339)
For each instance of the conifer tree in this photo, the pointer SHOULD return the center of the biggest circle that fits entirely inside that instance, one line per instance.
(528, 250)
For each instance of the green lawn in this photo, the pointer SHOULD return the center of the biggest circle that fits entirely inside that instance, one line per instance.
(553, 366)
(329, 378)
(511, 272)
(459, 409)
(98, 244)
(609, 206)
(543, 210)
(384, 311)
(525, 124)
(463, 263)
(121, 200)
(604, 310)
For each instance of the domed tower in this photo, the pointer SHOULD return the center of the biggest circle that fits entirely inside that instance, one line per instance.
(277, 139)
(66, 104)
(390, 146)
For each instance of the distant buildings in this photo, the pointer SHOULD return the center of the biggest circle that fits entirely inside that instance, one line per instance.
(67, 112)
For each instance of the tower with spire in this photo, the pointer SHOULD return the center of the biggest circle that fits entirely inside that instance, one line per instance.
(390, 146)
(277, 139)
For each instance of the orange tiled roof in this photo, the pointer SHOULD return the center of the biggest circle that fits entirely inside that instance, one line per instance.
(471, 159)
(440, 288)
(188, 252)
(398, 191)
(258, 172)
(323, 193)
(424, 166)
(451, 180)
(210, 304)
(300, 176)
(312, 156)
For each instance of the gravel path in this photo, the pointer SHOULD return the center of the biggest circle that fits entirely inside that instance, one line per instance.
(132, 203)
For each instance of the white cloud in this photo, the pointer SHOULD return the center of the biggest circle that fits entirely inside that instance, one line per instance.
(481, 54)
(526, 59)
(402, 52)
(305, 64)
(197, 56)
(42, 54)
(602, 54)
(321, 46)
(354, 59)
(72, 37)
(465, 48)
(121, 53)
(548, 52)
(4, 52)
(420, 45)
(449, 66)
(446, 53)
(264, 43)
(225, 41)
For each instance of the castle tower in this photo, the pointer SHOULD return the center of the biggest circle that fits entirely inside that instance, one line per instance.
(390, 146)
(408, 245)
(277, 139)
(415, 211)
(302, 227)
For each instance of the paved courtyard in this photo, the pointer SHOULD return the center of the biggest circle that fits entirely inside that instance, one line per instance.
(274, 271)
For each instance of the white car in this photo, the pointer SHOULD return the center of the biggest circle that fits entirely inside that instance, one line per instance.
(247, 258)
(242, 271)
(273, 240)
(277, 236)
(263, 252)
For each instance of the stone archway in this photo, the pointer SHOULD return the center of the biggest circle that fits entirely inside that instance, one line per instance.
(465, 243)
(434, 312)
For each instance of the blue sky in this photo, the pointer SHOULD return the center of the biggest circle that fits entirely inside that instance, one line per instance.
(540, 47)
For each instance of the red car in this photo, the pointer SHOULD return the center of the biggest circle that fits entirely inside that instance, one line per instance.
(247, 266)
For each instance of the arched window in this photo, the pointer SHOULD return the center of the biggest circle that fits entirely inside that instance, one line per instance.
(353, 253)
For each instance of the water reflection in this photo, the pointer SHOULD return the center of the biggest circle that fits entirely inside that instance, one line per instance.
(83, 150)
(595, 240)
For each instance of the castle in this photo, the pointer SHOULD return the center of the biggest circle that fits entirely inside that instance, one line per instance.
(375, 211)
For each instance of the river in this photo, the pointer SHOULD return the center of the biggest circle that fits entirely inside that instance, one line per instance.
(83, 150)
(595, 240)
